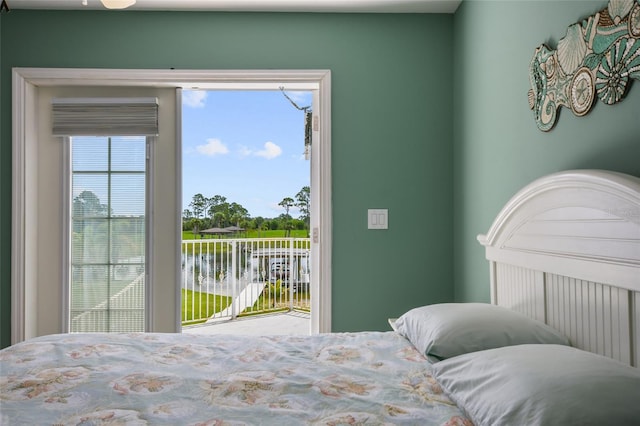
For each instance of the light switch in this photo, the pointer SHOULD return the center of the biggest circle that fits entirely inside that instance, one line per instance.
(378, 219)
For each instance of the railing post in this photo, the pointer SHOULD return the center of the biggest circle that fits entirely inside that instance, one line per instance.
(291, 274)
(234, 280)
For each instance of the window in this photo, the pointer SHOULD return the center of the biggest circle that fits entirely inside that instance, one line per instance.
(107, 234)
(106, 267)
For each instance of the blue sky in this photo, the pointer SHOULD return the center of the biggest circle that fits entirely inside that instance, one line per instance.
(247, 146)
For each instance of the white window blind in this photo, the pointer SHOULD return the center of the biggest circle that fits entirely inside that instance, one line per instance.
(105, 116)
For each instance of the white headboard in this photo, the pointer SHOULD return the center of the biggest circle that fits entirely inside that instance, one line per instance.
(566, 250)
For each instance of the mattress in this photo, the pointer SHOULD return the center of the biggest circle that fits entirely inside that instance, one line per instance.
(152, 378)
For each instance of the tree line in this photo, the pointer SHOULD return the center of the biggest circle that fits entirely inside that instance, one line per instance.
(218, 212)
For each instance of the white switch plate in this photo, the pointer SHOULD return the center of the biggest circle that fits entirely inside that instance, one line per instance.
(378, 219)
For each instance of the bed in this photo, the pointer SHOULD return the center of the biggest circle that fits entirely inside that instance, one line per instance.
(558, 344)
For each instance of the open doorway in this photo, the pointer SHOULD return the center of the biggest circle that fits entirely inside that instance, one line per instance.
(29, 291)
(246, 185)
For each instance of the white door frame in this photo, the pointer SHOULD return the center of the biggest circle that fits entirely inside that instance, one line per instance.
(25, 95)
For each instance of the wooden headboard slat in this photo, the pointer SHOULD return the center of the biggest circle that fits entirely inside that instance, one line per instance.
(566, 250)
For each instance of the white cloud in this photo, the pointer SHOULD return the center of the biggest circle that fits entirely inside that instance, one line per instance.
(194, 98)
(213, 147)
(270, 151)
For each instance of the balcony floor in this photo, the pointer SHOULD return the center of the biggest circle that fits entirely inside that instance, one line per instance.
(293, 323)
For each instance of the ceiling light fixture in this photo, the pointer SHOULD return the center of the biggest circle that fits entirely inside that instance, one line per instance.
(118, 4)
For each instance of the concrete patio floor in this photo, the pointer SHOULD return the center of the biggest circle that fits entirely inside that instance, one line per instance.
(293, 323)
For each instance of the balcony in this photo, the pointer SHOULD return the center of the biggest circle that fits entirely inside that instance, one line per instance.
(227, 279)
(286, 323)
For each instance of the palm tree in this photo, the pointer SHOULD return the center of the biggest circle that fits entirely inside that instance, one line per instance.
(303, 202)
(287, 203)
(198, 204)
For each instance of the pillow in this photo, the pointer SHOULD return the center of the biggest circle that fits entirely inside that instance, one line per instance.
(449, 329)
(541, 385)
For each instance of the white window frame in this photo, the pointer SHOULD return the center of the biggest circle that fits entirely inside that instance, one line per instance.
(25, 95)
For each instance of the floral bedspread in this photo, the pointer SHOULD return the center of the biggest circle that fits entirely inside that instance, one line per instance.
(372, 378)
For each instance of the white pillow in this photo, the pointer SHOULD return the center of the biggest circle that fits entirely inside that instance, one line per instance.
(449, 329)
(537, 385)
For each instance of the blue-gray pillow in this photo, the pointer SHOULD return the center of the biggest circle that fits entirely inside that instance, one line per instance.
(539, 385)
(446, 330)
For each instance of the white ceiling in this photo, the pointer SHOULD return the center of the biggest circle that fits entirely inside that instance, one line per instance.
(347, 6)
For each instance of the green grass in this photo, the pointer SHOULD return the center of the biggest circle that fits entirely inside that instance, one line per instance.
(218, 303)
(278, 233)
(205, 304)
(279, 302)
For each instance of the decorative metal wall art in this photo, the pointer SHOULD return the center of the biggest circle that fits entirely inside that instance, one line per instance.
(597, 58)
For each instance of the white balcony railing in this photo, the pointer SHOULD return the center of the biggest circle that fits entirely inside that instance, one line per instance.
(226, 278)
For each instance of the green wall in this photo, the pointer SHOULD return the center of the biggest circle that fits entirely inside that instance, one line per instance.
(391, 126)
(430, 119)
(497, 146)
